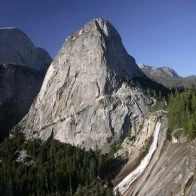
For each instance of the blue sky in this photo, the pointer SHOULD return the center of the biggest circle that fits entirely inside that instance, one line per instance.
(154, 32)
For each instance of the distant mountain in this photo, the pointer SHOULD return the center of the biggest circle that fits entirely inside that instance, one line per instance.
(158, 71)
(167, 76)
(19, 86)
(17, 48)
(22, 69)
(191, 77)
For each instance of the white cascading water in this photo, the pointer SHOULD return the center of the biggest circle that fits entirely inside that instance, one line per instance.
(126, 182)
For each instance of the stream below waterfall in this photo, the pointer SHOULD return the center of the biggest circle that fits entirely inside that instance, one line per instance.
(128, 180)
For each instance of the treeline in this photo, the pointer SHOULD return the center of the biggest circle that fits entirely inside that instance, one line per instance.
(182, 113)
(52, 168)
(154, 88)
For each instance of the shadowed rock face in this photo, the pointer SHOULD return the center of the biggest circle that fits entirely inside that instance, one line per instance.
(22, 69)
(19, 86)
(17, 48)
(85, 99)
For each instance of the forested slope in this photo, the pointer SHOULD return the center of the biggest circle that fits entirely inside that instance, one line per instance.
(182, 113)
(52, 168)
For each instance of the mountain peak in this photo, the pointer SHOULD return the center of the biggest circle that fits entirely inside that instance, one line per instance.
(100, 39)
(85, 97)
(16, 47)
(158, 71)
(104, 26)
(100, 27)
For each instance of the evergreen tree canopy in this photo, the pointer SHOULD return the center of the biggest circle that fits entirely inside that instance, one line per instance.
(52, 168)
(182, 112)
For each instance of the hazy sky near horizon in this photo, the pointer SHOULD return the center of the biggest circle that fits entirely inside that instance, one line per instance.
(154, 32)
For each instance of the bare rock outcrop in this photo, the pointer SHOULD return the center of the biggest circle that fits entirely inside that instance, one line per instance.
(86, 98)
(17, 48)
(136, 147)
(172, 171)
(22, 69)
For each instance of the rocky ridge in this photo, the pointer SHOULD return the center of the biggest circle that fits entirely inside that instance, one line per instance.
(158, 71)
(85, 99)
(22, 69)
(17, 48)
(167, 77)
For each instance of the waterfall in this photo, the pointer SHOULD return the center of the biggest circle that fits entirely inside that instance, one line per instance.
(126, 182)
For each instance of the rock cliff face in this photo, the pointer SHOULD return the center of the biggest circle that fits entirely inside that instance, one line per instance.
(86, 99)
(19, 86)
(172, 171)
(17, 48)
(22, 69)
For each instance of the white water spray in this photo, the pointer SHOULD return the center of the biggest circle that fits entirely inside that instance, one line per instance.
(126, 182)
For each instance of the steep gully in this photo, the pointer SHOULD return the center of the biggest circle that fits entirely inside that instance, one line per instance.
(128, 180)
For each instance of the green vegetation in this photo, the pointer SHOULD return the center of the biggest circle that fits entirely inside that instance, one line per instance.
(150, 87)
(182, 113)
(130, 135)
(53, 168)
(174, 82)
